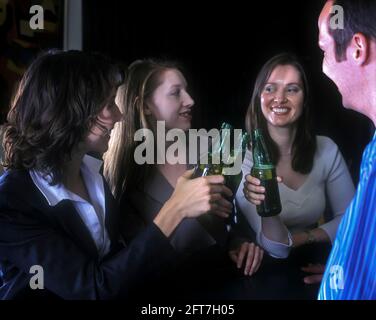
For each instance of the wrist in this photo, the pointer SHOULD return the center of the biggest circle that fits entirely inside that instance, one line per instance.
(168, 218)
(310, 237)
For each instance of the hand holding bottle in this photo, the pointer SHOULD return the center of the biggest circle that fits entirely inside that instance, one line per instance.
(193, 198)
(253, 191)
(264, 169)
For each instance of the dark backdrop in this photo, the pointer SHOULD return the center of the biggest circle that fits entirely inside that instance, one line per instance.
(222, 47)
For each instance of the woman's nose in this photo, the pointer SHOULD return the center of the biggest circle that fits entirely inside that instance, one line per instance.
(188, 101)
(280, 96)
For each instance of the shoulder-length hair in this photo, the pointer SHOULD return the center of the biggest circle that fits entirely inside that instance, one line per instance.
(54, 107)
(120, 169)
(304, 144)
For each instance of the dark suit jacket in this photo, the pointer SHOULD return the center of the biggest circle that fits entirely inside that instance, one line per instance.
(34, 233)
(191, 235)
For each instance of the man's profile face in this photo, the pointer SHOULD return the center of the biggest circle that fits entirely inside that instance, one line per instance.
(326, 42)
(338, 72)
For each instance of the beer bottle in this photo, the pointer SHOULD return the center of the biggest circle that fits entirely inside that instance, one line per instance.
(233, 180)
(264, 170)
(214, 165)
(215, 225)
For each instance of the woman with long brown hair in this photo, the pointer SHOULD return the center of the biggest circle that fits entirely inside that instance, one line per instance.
(312, 168)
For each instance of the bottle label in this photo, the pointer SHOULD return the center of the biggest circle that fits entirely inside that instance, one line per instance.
(264, 167)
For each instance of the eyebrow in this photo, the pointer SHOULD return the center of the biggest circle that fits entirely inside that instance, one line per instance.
(291, 83)
(183, 85)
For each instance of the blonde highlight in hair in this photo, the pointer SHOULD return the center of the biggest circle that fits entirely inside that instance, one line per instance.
(120, 169)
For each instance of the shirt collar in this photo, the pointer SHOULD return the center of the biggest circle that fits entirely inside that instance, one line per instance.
(57, 193)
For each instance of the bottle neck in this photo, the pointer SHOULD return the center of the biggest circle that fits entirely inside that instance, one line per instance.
(261, 156)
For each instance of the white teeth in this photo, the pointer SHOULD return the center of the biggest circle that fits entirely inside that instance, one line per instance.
(280, 110)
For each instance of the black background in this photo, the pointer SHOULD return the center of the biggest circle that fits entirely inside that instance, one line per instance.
(222, 47)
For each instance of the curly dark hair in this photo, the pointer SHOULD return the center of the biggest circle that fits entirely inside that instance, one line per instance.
(54, 107)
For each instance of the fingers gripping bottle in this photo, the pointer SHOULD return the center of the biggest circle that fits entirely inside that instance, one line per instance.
(264, 170)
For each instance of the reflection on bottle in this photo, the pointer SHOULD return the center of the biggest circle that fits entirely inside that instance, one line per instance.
(264, 170)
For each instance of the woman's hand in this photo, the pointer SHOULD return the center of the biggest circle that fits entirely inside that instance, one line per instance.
(247, 254)
(192, 198)
(253, 192)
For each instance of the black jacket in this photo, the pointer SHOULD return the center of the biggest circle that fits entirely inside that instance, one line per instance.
(34, 233)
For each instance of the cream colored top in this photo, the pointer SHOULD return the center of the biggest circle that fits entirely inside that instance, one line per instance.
(329, 180)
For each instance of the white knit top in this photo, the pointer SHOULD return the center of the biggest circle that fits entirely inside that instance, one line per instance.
(329, 180)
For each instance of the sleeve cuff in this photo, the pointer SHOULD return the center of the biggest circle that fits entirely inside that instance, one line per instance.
(275, 249)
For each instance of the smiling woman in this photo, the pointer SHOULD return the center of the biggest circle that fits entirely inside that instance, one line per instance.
(282, 97)
(312, 169)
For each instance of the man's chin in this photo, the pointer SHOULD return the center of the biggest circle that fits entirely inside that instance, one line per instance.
(346, 104)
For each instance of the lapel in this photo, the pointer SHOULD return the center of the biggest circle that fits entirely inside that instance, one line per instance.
(158, 188)
(63, 216)
(112, 215)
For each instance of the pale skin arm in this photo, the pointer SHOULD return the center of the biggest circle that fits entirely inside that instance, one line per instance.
(192, 198)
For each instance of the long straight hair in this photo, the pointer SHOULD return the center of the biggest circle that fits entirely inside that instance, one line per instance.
(304, 144)
(120, 169)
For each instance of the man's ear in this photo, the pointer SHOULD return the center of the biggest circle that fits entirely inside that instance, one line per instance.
(359, 48)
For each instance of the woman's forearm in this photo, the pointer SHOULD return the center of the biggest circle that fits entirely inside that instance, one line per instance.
(274, 229)
(311, 236)
(168, 218)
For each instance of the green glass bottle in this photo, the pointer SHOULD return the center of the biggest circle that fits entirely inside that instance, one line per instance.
(215, 225)
(264, 170)
(211, 167)
(237, 151)
(232, 181)
(231, 152)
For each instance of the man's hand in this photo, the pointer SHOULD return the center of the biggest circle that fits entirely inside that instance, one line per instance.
(317, 269)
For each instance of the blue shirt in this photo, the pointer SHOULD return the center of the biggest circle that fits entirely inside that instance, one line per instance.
(351, 268)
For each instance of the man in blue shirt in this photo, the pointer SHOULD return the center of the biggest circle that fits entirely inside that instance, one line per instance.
(350, 61)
